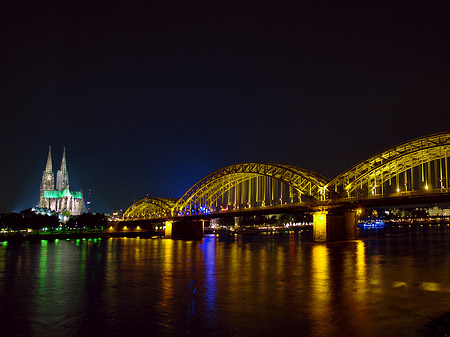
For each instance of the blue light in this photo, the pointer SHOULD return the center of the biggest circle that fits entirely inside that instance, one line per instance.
(373, 224)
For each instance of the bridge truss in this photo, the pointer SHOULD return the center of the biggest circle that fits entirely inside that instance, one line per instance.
(150, 208)
(249, 185)
(413, 166)
(419, 166)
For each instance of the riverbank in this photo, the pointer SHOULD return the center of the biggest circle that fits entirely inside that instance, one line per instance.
(34, 237)
(389, 229)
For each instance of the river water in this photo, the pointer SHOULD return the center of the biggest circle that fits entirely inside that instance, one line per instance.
(388, 283)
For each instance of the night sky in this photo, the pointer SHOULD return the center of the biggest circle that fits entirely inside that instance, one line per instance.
(151, 98)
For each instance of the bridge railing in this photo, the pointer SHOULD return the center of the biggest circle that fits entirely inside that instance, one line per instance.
(435, 191)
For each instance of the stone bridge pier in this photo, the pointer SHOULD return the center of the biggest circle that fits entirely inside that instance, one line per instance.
(334, 225)
(185, 229)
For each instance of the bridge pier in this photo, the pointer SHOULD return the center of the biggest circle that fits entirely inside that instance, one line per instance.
(184, 229)
(334, 227)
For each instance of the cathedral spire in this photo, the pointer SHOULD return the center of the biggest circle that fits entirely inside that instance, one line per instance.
(60, 199)
(62, 176)
(48, 179)
(48, 166)
(63, 161)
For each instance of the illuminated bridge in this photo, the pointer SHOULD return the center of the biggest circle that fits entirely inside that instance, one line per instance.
(412, 172)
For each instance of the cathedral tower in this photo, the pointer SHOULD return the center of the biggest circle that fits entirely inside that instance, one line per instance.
(48, 178)
(62, 177)
(61, 199)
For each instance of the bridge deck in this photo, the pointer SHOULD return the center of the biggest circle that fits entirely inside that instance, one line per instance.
(402, 198)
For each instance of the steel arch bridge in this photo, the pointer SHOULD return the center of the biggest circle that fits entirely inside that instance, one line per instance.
(251, 176)
(417, 165)
(150, 208)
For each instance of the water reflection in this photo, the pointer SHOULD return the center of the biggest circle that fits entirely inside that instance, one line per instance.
(361, 299)
(226, 286)
(320, 291)
(208, 248)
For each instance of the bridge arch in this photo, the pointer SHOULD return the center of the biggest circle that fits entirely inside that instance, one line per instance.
(208, 189)
(418, 164)
(149, 208)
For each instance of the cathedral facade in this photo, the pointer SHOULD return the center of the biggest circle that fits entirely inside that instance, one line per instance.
(59, 199)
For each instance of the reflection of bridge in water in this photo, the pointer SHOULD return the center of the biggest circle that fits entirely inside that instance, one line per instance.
(412, 172)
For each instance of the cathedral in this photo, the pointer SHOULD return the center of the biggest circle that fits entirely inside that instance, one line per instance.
(60, 199)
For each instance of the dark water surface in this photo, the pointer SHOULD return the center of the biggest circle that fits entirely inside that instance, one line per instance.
(391, 284)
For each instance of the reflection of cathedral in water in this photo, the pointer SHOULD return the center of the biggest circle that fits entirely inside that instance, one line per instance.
(60, 199)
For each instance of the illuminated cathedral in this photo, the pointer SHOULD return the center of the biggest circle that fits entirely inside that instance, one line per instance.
(59, 199)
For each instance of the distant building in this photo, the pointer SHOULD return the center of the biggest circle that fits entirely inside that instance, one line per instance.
(437, 211)
(116, 215)
(60, 199)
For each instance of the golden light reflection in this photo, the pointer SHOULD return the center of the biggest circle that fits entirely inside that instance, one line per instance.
(320, 290)
(261, 270)
(361, 282)
(361, 277)
(281, 270)
(280, 260)
(428, 286)
(376, 274)
(167, 273)
(234, 270)
(138, 253)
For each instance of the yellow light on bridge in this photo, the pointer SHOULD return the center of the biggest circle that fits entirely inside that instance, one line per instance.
(320, 226)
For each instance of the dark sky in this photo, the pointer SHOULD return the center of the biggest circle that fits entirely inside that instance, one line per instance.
(151, 98)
